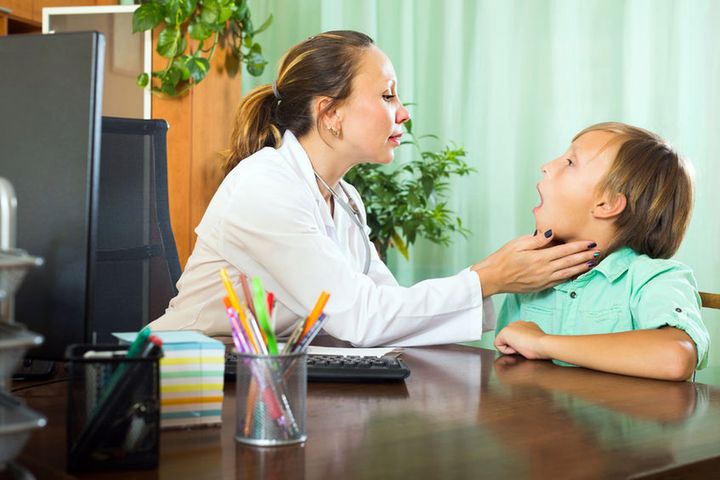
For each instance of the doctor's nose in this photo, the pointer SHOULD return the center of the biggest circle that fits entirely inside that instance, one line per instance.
(402, 115)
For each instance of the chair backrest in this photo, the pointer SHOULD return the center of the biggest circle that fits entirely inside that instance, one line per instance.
(135, 266)
(710, 300)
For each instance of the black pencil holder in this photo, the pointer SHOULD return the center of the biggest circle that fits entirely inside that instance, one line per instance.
(113, 409)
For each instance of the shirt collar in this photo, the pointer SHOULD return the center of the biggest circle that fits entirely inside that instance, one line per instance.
(296, 154)
(615, 264)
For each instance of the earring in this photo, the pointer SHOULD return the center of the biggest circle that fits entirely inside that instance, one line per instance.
(333, 132)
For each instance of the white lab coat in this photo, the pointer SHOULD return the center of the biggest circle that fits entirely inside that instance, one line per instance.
(268, 219)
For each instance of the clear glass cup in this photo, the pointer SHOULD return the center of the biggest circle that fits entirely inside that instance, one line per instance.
(271, 397)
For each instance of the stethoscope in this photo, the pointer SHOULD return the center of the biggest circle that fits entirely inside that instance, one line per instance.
(352, 209)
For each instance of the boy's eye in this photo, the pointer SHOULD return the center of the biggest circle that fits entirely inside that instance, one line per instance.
(388, 98)
(570, 162)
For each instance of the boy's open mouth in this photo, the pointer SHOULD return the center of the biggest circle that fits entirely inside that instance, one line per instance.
(541, 198)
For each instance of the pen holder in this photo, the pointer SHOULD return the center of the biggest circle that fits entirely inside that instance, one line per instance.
(271, 396)
(113, 409)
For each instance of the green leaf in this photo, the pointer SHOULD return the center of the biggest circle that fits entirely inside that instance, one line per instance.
(242, 12)
(181, 63)
(187, 8)
(398, 243)
(172, 10)
(255, 61)
(174, 75)
(427, 185)
(168, 42)
(210, 12)
(408, 126)
(264, 25)
(225, 13)
(142, 80)
(198, 67)
(181, 46)
(147, 17)
(428, 135)
(248, 26)
(199, 30)
(169, 79)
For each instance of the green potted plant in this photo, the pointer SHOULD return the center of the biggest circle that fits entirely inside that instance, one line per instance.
(207, 23)
(409, 201)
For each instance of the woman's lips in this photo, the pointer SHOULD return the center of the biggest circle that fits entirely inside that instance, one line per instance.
(395, 139)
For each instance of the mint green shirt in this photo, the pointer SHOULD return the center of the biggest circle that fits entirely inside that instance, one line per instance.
(626, 291)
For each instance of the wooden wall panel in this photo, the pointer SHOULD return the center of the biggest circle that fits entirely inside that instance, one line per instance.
(19, 8)
(38, 5)
(214, 102)
(200, 127)
(3, 25)
(178, 113)
(28, 13)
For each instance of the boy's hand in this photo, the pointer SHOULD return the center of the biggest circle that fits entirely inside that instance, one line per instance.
(523, 338)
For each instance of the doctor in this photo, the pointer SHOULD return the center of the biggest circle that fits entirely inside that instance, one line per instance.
(283, 213)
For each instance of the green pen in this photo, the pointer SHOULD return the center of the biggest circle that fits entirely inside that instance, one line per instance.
(262, 314)
(135, 349)
(139, 343)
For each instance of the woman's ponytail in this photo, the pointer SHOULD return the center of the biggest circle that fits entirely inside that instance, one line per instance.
(255, 126)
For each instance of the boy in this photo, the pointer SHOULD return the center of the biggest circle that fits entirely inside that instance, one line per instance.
(635, 313)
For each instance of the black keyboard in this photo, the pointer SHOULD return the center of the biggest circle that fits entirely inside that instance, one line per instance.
(340, 368)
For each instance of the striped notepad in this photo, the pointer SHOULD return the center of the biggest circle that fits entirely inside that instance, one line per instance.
(191, 378)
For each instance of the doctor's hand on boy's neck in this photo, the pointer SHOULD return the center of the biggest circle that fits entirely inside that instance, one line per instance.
(572, 200)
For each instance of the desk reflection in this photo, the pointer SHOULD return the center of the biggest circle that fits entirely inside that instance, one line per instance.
(560, 411)
(639, 398)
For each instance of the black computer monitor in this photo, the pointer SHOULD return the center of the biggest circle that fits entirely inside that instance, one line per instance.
(50, 120)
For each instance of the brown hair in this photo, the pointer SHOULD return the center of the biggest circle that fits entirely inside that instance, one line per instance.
(323, 65)
(658, 185)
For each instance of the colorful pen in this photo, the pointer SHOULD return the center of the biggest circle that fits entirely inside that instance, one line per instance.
(294, 336)
(316, 311)
(246, 293)
(238, 308)
(241, 344)
(138, 344)
(262, 315)
(302, 344)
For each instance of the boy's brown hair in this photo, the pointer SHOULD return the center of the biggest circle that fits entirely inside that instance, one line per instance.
(658, 186)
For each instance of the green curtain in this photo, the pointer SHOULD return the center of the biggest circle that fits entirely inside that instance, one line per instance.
(513, 81)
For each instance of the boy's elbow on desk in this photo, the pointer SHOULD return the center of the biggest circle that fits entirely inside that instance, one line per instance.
(680, 361)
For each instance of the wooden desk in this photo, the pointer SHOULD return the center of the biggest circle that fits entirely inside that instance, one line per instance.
(461, 414)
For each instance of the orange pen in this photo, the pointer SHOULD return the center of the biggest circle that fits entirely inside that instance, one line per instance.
(316, 311)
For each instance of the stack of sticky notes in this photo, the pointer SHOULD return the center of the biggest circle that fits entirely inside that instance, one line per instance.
(191, 378)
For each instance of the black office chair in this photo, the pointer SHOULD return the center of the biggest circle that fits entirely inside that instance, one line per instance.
(135, 265)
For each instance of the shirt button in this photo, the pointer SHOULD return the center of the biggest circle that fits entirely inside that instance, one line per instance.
(573, 294)
(678, 309)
